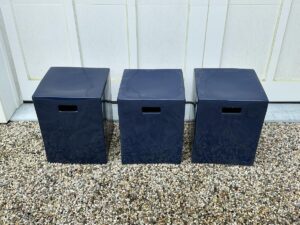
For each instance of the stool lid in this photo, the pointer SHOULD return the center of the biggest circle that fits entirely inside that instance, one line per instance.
(72, 82)
(152, 84)
(229, 85)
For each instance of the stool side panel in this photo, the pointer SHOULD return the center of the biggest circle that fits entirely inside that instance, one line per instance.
(151, 137)
(224, 138)
(72, 137)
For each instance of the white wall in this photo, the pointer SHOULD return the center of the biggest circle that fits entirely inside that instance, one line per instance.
(259, 34)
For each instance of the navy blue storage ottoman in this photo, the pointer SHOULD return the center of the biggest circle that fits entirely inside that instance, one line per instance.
(74, 119)
(230, 113)
(151, 107)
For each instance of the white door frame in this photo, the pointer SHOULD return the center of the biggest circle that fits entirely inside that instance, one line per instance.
(10, 98)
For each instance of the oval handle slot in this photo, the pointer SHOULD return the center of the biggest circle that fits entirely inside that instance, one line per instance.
(67, 108)
(231, 110)
(151, 110)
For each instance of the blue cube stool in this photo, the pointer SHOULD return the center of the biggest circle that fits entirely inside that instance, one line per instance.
(74, 119)
(230, 113)
(151, 107)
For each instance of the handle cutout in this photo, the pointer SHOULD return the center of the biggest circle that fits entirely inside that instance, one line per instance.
(151, 110)
(231, 110)
(67, 108)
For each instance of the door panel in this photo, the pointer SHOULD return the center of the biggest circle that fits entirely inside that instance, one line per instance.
(120, 34)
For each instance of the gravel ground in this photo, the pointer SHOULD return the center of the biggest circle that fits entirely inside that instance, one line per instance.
(34, 191)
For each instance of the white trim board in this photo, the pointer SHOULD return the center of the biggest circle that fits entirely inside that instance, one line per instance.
(9, 93)
(276, 113)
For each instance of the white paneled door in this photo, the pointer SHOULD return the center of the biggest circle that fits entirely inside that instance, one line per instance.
(119, 34)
